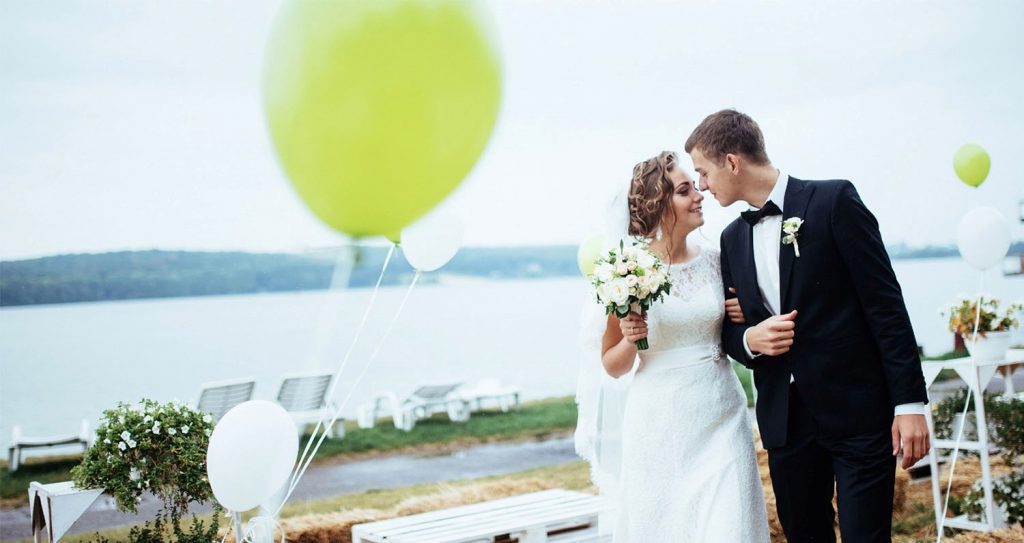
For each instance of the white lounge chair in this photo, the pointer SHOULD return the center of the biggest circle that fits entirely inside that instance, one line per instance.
(21, 443)
(491, 391)
(304, 396)
(424, 403)
(218, 397)
(561, 516)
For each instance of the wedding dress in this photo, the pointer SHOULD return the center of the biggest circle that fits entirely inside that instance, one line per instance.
(682, 444)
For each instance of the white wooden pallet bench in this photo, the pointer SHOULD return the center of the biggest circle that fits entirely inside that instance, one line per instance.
(556, 516)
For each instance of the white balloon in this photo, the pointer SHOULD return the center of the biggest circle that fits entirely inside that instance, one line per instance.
(983, 237)
(432, 241)
(252, 451)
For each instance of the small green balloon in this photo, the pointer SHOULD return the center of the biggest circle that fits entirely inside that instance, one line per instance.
(378, 109)
(972, 163)
(588, 253)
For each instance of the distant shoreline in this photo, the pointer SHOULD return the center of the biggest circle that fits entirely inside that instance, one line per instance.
(157, 274)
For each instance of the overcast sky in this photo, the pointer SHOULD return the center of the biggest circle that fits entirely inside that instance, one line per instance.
(133, 125)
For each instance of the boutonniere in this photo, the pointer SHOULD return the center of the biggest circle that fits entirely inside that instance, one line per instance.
(790, 230)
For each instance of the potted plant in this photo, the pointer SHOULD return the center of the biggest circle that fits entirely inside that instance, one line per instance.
(156, 448)
(994, 327)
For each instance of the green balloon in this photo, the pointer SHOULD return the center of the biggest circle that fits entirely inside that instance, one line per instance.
(972, 164)
(379, 109)
(588, 253)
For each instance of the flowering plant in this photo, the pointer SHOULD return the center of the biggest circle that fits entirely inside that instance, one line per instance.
(629, 278)
(160, 448)
(962, 316)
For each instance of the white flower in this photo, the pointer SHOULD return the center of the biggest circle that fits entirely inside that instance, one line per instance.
(644, 292)
(602, 293)
(156, 429)
(172, 431)
(631, 266)
(132, 443)
(621, 268)
(120, 419)
(133, 474)
(122, 445)
(125, 435)
(792, 225)
(791, 229)
(630, 252)
(618, 291)
(632, 280)
(107, 441)
(147, 418)
(207, 418)
(604, 272)
(184, 429)
(646, 260)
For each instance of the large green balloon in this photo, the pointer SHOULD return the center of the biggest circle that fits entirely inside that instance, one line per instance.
(378, 109)
(972, 164)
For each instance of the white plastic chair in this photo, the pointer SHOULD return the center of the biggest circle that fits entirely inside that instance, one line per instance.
(424, 403)
(304, 396)
(218, 397)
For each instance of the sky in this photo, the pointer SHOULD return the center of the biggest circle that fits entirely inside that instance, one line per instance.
(138, 125)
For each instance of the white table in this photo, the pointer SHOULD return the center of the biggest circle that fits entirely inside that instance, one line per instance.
(977, 376)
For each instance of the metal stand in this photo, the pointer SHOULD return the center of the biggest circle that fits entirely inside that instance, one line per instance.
(977, 376)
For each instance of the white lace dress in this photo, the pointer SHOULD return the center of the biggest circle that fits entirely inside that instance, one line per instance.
(689, 471)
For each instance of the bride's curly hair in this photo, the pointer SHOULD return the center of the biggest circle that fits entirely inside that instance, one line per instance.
(650, 194)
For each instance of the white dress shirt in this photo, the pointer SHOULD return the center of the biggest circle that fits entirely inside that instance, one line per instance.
(767, 238)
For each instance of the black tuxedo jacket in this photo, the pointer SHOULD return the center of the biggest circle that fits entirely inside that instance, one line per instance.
(854, 356)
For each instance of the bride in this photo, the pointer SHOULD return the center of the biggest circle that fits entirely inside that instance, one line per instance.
(669, 440)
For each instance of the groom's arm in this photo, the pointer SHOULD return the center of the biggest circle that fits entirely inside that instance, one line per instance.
(732, 333)
(860, 245)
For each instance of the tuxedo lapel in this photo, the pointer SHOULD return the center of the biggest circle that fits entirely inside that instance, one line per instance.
(798, 194)
(746, 278)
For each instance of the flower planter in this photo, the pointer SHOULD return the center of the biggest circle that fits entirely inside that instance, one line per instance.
(989, 348)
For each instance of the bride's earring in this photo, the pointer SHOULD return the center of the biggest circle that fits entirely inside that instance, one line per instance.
(657, 235)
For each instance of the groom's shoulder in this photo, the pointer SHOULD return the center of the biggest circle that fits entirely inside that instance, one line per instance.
(830, 188)
(732, 227)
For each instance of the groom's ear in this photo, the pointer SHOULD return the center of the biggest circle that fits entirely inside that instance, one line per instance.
(732, 162)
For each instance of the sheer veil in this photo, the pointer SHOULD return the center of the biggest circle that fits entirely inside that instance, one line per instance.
(600, 398)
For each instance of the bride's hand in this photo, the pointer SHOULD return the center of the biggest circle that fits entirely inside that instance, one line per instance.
(634, 327)
(733, 309)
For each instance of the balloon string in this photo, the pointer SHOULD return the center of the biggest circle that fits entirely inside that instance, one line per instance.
(354, 386)
(963, 416)
(328, 319)
(250, 531)
(344, 363)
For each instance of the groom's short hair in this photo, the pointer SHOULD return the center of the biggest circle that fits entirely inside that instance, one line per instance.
(728, 131)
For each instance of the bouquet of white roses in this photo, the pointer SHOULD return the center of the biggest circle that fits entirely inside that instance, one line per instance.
(629, 279)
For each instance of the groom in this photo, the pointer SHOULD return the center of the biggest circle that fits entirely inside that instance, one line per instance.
(840, 388)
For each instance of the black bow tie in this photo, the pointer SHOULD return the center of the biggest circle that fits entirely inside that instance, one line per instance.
(753, 217)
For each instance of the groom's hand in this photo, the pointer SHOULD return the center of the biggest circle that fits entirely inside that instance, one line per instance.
(912, 432)
(773, 336)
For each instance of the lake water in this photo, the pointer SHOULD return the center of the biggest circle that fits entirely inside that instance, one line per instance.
(60, 363)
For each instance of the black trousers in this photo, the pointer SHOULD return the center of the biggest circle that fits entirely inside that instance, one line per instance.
(861, 469)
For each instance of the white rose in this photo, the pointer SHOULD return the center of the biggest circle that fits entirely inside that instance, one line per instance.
(621, 268)
(631, 266)
(632, 280)
(618, 291)
(646, 260)
(604, 272)
(630, 252)
(644, 292)
(602, 293)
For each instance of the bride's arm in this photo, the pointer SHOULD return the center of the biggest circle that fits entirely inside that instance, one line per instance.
(618, 349)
